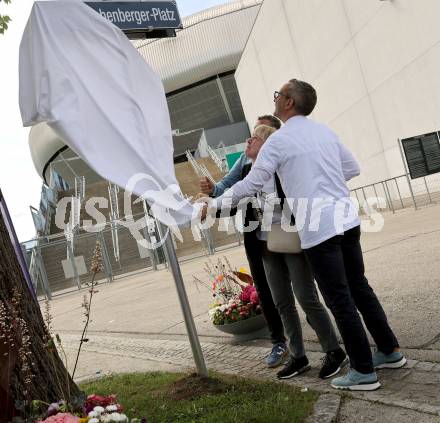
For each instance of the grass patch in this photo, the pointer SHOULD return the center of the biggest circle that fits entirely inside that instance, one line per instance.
(173, 397)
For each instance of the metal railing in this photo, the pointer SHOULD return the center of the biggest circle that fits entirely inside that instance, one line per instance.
(221, 164)
(400, 192)
(199, 169)
(59, 264)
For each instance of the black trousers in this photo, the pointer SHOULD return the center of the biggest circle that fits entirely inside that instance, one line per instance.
(338, 267)
(254, 251)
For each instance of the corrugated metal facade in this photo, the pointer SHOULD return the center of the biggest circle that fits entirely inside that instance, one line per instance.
(211, 43)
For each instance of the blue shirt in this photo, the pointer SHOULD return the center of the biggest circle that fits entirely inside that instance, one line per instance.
(230, 178)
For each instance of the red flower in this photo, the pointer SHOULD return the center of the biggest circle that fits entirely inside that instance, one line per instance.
(255, 300)
(94, 400)
(246, 292)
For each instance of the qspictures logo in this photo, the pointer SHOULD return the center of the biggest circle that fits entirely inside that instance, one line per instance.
(311, 215)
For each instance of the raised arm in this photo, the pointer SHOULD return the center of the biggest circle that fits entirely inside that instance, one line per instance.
(267, 163)
(230, 178)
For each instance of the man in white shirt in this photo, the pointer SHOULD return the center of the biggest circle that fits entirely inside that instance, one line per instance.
(313, 167)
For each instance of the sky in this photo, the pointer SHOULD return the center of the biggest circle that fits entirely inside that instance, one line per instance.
(19, 181)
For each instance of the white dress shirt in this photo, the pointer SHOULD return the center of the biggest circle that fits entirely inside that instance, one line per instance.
(313, 167)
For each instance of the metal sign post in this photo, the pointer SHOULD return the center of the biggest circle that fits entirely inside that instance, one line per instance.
(184, 303)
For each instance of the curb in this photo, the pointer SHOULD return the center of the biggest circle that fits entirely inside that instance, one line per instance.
(326, 409)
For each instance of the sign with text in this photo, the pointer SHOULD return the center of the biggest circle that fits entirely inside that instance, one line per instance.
(159, 18)
(422, 154)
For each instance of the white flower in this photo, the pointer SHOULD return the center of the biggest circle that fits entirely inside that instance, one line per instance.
(213, 311)
(94, 420)
(111, 407)
(116, 418)
(93, 414)
(99, 409)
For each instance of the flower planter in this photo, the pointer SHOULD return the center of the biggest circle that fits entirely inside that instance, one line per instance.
(254, 327)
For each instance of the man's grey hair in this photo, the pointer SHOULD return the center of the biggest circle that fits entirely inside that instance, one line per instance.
(304, 96)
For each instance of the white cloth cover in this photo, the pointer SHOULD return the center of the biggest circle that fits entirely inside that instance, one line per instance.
(81, 75)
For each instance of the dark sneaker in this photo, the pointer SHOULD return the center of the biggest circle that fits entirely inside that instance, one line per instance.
(355, 381)
(395, 360)
(332, 363)
(294, 367)
(277, 355)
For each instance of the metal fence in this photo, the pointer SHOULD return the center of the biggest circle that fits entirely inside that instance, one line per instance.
(399, 193)
(58, 266)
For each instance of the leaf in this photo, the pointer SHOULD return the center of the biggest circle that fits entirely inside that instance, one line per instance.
(244, 277)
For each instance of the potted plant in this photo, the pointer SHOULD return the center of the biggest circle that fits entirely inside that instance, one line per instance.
(236, 308)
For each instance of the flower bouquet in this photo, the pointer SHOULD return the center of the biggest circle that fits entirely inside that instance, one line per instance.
(96, 409)
(236, 298)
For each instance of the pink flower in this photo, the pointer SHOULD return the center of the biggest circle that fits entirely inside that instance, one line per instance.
(246, 293)
(98, 400)
(62, 418)
(255, 300)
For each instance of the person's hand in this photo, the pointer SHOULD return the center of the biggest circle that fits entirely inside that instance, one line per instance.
(206, 186)
(204, 212)
(201, 197)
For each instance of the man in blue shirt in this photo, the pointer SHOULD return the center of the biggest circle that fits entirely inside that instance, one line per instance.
(254, 249)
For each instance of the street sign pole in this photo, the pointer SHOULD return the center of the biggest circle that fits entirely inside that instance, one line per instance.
(156, 19)
(184, 304)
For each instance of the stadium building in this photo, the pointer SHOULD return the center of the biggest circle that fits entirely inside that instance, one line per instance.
(374, 65)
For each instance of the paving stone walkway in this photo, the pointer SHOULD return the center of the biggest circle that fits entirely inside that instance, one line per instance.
(415, 387)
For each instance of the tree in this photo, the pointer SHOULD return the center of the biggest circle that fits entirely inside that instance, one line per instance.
(45, 365)
(4, 19)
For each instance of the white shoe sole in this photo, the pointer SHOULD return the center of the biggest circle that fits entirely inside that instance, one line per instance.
(364, 387)
(302, 370)
(343, 364)
(395, 365)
